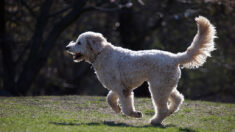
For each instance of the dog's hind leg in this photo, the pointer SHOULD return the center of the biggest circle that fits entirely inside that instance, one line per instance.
(126, 99)
(160, 95)
(176, 99)
(112, 99)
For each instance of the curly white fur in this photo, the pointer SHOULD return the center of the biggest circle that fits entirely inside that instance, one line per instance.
(122, 70)
(202, 45)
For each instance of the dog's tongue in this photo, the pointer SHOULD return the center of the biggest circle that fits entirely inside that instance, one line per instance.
(76, 56)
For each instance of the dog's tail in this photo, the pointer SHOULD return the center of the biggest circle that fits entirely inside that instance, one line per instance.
(202, 45)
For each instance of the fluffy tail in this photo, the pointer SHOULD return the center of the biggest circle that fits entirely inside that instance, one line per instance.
(202, 45)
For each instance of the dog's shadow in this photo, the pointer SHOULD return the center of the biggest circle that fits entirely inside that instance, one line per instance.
(112, 123)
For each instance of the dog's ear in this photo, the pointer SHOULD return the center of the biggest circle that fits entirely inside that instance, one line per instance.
(96, 42)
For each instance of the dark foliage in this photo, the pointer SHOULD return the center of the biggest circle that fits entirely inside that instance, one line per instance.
(33, 35)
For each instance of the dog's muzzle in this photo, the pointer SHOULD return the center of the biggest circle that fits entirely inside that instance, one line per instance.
(76, 55)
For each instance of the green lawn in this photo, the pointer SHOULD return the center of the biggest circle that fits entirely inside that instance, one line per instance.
(89, 113)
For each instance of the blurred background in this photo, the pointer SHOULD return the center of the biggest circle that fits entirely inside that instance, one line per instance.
(34, 33)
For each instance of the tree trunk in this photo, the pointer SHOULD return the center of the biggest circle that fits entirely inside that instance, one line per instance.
(36, 61)
(7, 59)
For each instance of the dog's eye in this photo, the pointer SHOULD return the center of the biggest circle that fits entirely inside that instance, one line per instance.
(79, 43)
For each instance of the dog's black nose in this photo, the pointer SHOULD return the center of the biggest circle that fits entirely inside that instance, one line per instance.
(66, 48)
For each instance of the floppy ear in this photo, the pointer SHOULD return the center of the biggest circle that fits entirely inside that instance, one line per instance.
(95, 43)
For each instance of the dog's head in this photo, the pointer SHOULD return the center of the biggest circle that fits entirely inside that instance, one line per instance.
(87, 46)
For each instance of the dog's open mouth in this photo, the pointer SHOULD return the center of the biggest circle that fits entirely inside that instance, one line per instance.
(77, 56)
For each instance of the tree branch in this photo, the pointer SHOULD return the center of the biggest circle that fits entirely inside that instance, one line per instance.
(28, 8)
(22, 54)
(106, 9)
(61, 25)
(118, 8)
(35, 62)
(59, 12)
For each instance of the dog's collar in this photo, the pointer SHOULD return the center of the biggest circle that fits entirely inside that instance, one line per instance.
(93, 60)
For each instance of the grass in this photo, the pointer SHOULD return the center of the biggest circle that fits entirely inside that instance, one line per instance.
(86, 113)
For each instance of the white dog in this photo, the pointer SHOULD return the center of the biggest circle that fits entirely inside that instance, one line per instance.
(122, 70)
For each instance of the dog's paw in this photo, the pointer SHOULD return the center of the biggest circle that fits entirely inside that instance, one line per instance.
(136, 114)
(117, 109)
(155, 122)
(169, 113)
(139, 114)
(158, 125)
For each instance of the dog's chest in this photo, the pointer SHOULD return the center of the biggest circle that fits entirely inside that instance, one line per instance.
(107, 76)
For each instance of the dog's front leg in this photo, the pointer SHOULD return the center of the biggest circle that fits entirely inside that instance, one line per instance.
(127, 102)
(112, 99)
